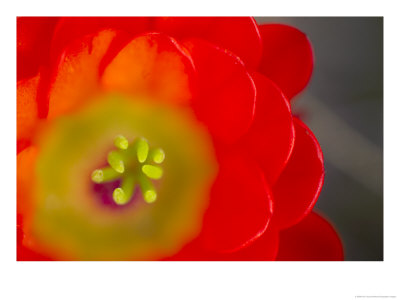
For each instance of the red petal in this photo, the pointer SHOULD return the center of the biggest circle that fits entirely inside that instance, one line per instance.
(153, 65)
(22, 145)
(24, 253)
(240, 205)
(270, 139)
(226, 93)
(72, 28)
(287, 57)
(237, 34)
(265, 248)
(300, 183)
(193, 251)
(27, 114)
(33, 44)
(313, 239)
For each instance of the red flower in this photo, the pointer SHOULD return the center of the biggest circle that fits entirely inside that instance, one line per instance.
(235, 76)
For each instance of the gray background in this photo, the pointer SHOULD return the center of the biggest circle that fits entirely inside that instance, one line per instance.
(343, 105)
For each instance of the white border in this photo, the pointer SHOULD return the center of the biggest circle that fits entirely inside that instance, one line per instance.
(140, 280)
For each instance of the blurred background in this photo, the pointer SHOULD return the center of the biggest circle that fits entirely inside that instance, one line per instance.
(343, 105)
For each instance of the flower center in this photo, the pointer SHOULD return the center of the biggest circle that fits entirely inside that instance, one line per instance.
(73, 215)
(134, 164)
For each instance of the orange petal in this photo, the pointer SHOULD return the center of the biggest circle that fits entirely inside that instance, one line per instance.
(25, 165)
(76, 81)
(151, 65)
(26, 109)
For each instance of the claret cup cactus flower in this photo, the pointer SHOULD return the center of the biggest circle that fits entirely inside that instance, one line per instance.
(165, 139)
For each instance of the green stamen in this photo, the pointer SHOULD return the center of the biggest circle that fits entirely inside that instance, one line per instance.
(142, 149)
(104, 175)
(132, 164)
(97, 176)
(119, 196)
(128, 185)
(123, 194)
(115, 160)
(121, 142)
(153, 172)
(148, 191)
(157, 155)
